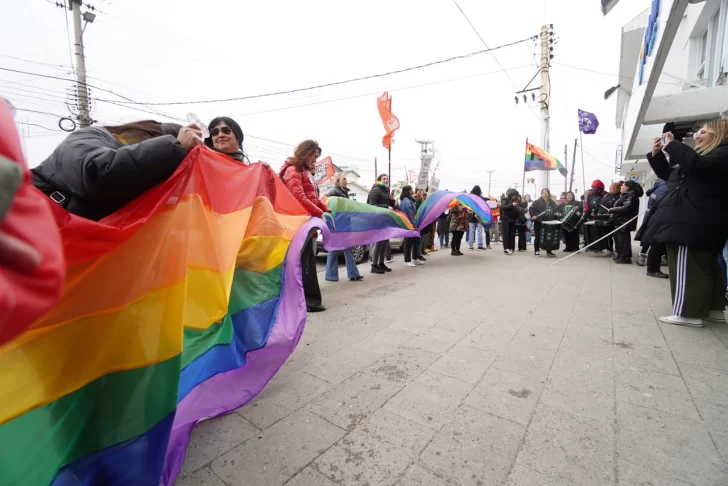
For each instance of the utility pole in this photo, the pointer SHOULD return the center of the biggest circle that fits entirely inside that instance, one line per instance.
(573, 166)
(376, 172)
(490, 176)
(84, 117)
(546, 41)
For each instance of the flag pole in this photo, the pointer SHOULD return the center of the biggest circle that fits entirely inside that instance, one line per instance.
(389, 151)
(566, 166)
(523, 183)
(583, 174)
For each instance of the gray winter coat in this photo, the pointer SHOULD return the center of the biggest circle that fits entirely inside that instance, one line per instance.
(92, 174)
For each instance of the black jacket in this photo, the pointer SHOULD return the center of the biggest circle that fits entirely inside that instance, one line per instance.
(540, 206)
(95, 175)
(608, 201)
(508, 212)
(443, 223)
(626, 208)
(339, 191)
(693, 212)
(378, 196)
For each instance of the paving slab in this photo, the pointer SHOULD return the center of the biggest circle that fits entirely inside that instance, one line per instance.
(403, 382)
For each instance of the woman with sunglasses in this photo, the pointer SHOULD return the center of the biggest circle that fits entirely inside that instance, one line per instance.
(226, 137)
(691, 219)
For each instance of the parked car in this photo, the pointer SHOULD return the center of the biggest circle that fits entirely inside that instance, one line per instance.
(360, 252)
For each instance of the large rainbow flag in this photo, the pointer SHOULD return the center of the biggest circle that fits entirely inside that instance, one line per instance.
(438, 202)
(180, 307)
(538, 159)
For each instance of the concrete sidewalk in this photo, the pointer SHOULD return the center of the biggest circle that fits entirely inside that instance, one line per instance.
(485, 369)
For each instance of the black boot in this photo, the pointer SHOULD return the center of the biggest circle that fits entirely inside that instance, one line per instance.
(377, 269)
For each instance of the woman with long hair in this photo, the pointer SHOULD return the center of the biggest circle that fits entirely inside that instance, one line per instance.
(296, 175)
(691, 220)
(542, 209)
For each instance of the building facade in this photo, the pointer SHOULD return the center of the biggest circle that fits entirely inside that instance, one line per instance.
(672, 71)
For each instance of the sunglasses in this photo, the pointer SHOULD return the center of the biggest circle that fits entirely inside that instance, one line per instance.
(216, 131)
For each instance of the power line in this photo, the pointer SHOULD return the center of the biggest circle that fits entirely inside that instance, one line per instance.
(606, 74)
(337, 83)
(376, 93)
(490, 50)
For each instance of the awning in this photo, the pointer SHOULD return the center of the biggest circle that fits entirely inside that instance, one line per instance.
(693, 105)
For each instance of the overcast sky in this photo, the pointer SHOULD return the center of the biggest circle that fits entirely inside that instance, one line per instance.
(182, 50)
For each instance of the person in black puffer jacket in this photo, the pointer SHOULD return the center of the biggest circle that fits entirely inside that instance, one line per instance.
(624, 210)
(691, 219)
(511, 213)
(379, 196)
(443, 230)
(96, 171)
(602, 213)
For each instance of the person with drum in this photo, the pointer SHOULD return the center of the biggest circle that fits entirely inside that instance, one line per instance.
(602, 214)
(542, 209)
(570, 211)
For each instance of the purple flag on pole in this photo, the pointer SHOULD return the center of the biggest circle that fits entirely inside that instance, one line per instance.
(588, 123)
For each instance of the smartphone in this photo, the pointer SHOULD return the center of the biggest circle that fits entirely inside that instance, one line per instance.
(663, 140)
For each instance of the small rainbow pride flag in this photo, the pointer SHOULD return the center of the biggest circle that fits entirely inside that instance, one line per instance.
(538, 159)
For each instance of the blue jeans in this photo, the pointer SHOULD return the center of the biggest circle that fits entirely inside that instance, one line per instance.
(529, 225)
(724, 263)
(444, 240)
(332, 265)
(474, 228)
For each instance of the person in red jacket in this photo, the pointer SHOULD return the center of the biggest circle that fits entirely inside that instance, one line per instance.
(297, 176)
(32, 266)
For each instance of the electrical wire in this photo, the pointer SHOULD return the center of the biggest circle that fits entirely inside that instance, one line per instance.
(607, 74)
(515, 86)
(68, 36)
(335, 83)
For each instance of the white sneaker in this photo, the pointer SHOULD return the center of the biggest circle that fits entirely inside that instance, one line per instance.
(409, 264)
(682, 321)
(717, 317)
(390, 260)
(418, 262)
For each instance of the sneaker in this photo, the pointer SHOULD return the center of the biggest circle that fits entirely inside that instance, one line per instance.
(521, 249)
(623, 261)
(657, 274)
(716, 317)
(459, 253)
(682, 321)
(471, 248)
(315, 308)
(409, 264)
(418, 262)
(481, 248)
(389, 260)
(550, 253)
(641, 258)
(356, 279)
(386, 268)
(536, 253)
(422, 258)
(376, 269)
(488, 247)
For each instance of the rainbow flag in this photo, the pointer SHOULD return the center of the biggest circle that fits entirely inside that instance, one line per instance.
(538, 159)
(439, 202)
(356, 223)
(179, 307)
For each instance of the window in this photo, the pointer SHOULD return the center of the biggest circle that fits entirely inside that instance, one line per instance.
(702, 72)
(711, 47)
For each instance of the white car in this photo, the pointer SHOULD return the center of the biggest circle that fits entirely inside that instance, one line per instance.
(360, 252)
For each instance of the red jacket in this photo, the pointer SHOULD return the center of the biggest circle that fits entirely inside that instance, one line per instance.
(25, 295)
(301, 185)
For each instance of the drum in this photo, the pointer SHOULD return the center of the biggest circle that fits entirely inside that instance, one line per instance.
(592, 232)
(550, 235)
(572, 220)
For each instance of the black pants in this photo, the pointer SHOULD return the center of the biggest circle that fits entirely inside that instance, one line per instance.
(654, 257)
(571, 240)
(696, 281)
(380, 250)
(537, 227)
(521, 231)
(311, 288)
(457, 238)
(412, 249)
(509, 235)
(623, 244)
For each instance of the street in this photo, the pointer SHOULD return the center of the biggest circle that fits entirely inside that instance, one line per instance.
(484, 369)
